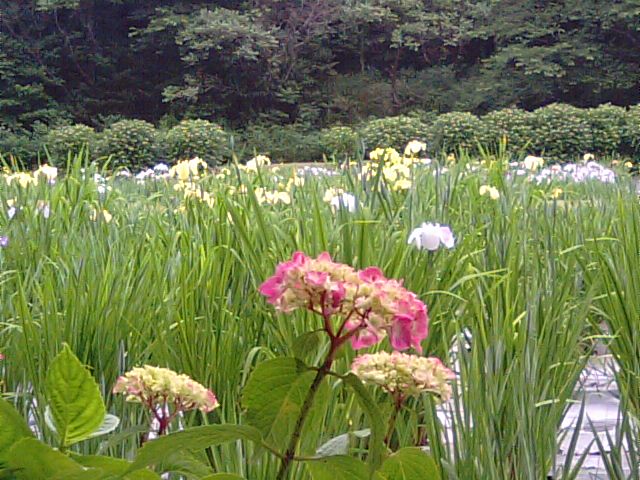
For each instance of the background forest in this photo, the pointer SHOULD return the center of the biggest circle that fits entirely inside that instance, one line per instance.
(316, 62)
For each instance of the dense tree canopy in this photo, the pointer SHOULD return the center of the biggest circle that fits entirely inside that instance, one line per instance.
(310, 61)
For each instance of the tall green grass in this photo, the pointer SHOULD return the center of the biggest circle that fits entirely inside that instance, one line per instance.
(178, 288)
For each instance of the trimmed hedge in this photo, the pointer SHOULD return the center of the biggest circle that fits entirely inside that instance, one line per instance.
(60, 141)
(456, 130)
(339, 142)
(561, 131)
(631, 132)
(511, 124)
(558, 132)
(129, 143)
(394, 132)
(197, 138)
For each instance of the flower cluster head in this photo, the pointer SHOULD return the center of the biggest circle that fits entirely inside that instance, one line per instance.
(159, 388)
(430, 236)
(404, 375)
(368, 306)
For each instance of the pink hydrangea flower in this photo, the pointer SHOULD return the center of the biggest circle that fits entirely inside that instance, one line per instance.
(368, 305)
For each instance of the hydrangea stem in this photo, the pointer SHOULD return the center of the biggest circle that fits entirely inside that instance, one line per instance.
(322, 372)
(398, 401)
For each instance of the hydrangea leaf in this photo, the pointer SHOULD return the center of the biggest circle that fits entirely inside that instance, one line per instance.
(75, 402)
(410, 463)
(33, 460)
(274, 396)
(340, 467)
(197, 438)
(13, 428)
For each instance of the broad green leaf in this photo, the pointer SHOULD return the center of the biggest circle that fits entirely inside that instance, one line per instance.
(376, 441)
(186, 464)
(197, 438)
(12, 428)
(339, 467)
(410, 463)
(33, 460)
(114, 466)
(76, 405)
(274, 396)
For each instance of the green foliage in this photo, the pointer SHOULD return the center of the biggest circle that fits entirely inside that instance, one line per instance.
(410, 464)
(394, 132)
(13, 429)
(178, 288)
(561, 132)
(274, 396)
(288, 143)
(18, 144)
(70, 139)
(631, 132)
(355, 97)
(75, 402)
(197, 138)
(607, 124)
(456, 130)
(129, 143)
(337, 62)
(33, 460)
(339, 467)
(339, 142)
(197, 438)
(511, 123)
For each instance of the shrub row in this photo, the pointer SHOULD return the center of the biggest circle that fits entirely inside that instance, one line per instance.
(557, 131)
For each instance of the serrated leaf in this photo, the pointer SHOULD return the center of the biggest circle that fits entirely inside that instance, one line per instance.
(339, 467)
(76, 405)
(13, 428)
(33, 460)
(197, 438)
(410, 463)
(274, 396)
